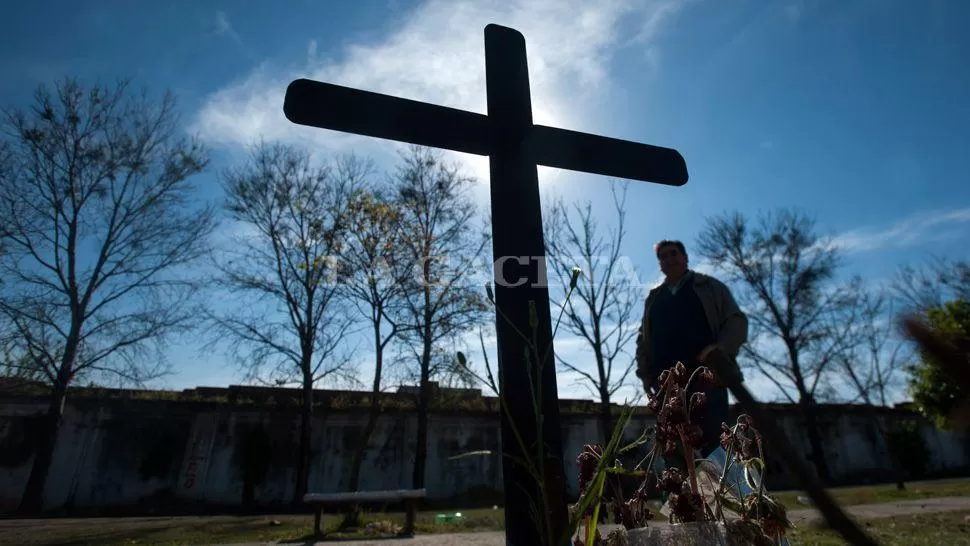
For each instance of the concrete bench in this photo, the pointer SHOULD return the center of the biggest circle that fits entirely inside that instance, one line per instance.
(408, 496)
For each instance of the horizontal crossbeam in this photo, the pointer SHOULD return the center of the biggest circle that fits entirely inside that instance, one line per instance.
(575, 151)
(329, 106)
(339, 108)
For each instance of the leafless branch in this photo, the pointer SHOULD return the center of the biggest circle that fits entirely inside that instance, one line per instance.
(282, 265)
(101, 220)
(440, 247)
(924, 286)
(785, 279)
(785, 276)
(601, 308)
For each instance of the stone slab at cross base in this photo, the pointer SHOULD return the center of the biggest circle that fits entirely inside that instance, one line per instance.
(691, 534)
(732, 533)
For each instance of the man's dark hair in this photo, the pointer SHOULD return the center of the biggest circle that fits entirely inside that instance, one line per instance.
(665, 242)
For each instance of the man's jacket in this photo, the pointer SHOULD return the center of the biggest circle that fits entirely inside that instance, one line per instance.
(728, 323)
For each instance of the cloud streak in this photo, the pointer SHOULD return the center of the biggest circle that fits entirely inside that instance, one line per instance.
(905, 232)
(222, 27)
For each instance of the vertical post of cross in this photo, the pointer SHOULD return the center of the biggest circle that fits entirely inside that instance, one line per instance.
(519, 254)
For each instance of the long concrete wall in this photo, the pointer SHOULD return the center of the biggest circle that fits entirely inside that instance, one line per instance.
(147, 453)
(159, 455)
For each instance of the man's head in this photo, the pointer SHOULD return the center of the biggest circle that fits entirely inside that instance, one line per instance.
(672, 257)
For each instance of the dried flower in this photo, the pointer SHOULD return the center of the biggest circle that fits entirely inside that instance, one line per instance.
(680, 374)
(694, 435)
(647, 487)
(698, 403)
(679, 407)
(631, 514)
(587, 460)
(575, 278)
(770, 515)
(728, 441)
(672, 480)
(705, 379)
(686, 506)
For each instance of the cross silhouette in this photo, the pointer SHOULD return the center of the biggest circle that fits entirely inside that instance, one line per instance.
(514, 146)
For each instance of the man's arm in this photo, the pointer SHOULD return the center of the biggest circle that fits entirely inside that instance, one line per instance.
(643, 346)
(734, 329)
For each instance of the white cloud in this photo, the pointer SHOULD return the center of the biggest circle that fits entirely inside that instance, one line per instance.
(222, 23)
(437, 55)
(905, 232)
(311, 51)
(222, 27)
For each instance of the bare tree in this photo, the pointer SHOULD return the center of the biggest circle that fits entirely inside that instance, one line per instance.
(282, 269)
(602, 306)
(101, 218)
(930, 284)
(801, 318)
(375, 284)
(874, 362)
(873, 365)
(442, 248)
(17, 371)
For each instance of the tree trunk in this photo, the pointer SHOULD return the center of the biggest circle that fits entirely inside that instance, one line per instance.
(358, 461)
(898, 471)
(606, 416)
(352, 519)
(806, 403)
(421, 447)
(815, 441)
(424, 390)
(306, 428)
(372, 416)
(32, 502)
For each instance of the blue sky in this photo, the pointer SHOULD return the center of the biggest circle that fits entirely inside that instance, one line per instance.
(856, 112)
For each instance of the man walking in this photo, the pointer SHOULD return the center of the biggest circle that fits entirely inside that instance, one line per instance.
(684, 320)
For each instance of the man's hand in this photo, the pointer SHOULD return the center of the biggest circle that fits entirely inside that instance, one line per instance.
(707, 350)
(714, 358)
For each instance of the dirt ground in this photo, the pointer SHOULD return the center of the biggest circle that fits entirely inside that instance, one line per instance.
(81, 531)
(798, 517)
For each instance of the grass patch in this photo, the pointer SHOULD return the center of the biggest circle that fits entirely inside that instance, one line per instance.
(220, 529)
(914, 530)
(156, 531)
(876, 494)
(938, 528)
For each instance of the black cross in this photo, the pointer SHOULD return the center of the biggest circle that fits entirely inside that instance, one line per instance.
(514, 146)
